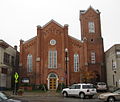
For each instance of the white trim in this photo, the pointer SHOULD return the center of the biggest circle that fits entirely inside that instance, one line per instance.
(52, 59)
(76, 62)
(48, 79)
(29, 63)
(52, 42)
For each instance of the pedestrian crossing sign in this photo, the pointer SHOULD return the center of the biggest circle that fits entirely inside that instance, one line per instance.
(16, 76)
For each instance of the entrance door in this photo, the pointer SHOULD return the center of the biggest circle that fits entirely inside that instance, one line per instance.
(52, 81)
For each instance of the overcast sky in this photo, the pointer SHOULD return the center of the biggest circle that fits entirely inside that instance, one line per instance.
(19, 18)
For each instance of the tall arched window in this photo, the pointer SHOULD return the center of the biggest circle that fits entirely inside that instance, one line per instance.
(91, 27)
(93, 57)
(52, 59)
(29, 63)
(76, 62)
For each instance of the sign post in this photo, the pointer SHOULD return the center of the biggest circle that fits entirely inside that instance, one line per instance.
(16, 76)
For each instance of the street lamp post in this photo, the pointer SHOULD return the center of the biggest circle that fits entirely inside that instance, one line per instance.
(66, 59)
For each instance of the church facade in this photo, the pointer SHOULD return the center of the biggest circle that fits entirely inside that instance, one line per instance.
(53, 56)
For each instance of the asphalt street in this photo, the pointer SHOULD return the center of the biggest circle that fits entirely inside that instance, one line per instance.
(58, 99)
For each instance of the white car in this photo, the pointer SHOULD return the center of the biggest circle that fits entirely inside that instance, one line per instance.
(110, 96)
(81, 90)
(101, 86)
(6, 98)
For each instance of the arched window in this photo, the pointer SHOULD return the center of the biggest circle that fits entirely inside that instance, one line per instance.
(93, 57)
(52, 75)
(52, 59)
(76, 62)
(91, 27)
(29, 63)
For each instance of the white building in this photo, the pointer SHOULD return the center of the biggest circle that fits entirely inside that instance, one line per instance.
(8, 63)
(112, 57)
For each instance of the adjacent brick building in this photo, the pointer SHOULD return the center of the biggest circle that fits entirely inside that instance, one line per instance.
(53, 56)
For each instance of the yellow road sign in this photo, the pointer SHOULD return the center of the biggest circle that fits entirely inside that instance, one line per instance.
(16, 76)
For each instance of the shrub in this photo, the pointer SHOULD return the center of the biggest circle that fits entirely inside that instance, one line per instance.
(20, 90)
(60, 86)
(43, 87)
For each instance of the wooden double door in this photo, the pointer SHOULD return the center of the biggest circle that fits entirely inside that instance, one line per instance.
(52, 83)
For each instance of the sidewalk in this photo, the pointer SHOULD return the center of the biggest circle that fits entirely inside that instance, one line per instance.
(42, 94)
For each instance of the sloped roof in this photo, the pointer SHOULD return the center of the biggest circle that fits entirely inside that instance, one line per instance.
(53, 22)
(29, 40)
(115, 45)
(75, 39)
(90, 7)
(3, 44)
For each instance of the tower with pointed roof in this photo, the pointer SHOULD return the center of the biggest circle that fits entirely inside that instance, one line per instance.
(93, 42)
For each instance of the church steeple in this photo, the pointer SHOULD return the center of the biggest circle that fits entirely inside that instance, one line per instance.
(93, 41)
(90, 23)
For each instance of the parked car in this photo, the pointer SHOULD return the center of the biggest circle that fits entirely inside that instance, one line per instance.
(81, 90)
(101, 86)
(110, 96)
(6, 98)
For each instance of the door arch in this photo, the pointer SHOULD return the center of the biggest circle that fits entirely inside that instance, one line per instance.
(52, 81)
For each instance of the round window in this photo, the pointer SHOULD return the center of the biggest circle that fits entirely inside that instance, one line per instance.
(52, 42)
(92, 40)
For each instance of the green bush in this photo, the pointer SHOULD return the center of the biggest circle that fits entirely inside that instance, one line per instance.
(60, 86)
(20, 90)
(43, 87)
(25, 84)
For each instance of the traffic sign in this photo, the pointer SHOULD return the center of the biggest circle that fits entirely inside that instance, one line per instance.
(16, 76)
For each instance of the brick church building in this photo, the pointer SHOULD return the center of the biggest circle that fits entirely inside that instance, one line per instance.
(53, 56)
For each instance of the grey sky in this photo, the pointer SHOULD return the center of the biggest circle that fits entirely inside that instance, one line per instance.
(19, 18)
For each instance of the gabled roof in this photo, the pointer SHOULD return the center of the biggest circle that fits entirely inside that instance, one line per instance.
(115, 45)
(75, 39)
(84, 11)
(29, 40)
(53, 22)
(3, 44)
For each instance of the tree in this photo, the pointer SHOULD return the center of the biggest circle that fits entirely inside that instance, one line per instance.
(88, 76)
